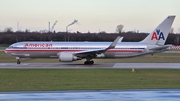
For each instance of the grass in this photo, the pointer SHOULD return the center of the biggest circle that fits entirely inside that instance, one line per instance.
(2, 48)
(87, 79)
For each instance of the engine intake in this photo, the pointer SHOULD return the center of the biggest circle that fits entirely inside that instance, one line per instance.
(67, 57)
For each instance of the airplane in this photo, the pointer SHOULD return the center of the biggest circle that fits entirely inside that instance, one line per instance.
(73, 51)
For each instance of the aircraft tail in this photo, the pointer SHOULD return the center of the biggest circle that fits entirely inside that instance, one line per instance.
(160, 33)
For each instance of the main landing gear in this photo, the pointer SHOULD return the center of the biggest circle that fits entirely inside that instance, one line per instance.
(89, 61)
(18, 60)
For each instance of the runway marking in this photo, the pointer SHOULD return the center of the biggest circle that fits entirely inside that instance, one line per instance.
(3, 64)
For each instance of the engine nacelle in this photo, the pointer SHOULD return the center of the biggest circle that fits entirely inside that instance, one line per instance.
(67, 57)
(100, 55)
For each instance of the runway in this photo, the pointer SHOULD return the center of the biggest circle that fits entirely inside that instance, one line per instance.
(75, 65)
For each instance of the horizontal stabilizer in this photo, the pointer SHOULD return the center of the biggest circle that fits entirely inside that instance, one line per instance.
(162, 47)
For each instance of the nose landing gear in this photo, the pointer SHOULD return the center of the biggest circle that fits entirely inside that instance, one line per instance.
(18, 60)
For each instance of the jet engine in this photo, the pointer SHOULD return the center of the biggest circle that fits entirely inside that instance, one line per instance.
(67, 57)
(100, 55)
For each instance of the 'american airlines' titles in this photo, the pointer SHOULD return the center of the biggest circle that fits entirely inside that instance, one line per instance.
(38, 45)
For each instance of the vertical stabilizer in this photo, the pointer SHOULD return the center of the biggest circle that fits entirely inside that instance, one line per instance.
(160, 34)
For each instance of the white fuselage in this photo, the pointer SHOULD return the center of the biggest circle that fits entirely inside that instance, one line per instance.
(52, 49)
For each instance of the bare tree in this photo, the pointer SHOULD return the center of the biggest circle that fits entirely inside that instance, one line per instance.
(8, 29)
(119, 28)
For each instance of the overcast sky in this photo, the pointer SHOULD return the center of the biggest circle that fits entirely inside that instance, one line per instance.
(92, 15)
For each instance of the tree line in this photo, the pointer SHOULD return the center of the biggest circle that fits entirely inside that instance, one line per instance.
(7, 38)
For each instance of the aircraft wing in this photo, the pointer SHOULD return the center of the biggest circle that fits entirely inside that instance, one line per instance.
(162, 47)
(120, 40)
(93, 52)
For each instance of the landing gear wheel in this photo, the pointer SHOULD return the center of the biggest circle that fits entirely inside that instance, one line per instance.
(86, 62)
(18, 62)
(89, 62)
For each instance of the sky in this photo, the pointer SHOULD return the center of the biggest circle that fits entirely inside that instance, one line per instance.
(92, 15)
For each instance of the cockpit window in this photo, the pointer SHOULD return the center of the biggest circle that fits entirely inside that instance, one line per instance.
(10, 47)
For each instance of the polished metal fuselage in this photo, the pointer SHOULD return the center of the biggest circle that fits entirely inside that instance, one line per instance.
(52, 49)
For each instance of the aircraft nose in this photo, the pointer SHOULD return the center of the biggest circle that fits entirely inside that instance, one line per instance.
(5, 50)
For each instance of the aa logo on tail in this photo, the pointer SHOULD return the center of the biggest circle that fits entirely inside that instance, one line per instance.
(157, 35)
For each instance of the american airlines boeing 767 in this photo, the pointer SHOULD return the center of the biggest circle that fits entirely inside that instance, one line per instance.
(72, 51)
